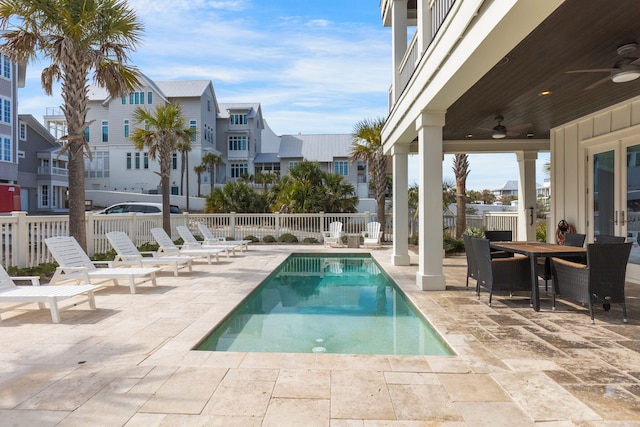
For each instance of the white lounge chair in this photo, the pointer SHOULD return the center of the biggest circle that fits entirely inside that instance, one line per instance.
(167, 247)
(333, 237)
(75, 265)
(372, 235)
(23, 295)
(190, 242)
(211, 239)
(128, 254)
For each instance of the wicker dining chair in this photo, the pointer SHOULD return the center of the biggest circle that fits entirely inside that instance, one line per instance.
(605, 238)
(499, 236)
(600, 281)
(472, 265)
(500, 274)
(543, 268)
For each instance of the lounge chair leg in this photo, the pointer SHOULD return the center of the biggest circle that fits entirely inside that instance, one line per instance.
(624, 312)
(55, 313)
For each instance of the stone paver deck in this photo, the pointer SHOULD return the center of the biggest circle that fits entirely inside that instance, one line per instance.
(130, 363)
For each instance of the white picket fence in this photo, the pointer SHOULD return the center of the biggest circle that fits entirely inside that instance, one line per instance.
(488, 220)
(23, 235)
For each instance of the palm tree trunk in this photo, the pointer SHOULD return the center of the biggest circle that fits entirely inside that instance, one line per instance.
(77, 220)
(187, 169)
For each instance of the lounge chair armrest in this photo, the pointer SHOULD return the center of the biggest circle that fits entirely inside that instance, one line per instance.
(35, 280)
(212, 241)
(127, 258)
(326, 234)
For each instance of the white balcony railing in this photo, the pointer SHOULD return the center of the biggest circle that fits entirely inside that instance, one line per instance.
(45, 170)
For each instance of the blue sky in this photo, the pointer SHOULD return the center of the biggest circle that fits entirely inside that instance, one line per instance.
(314, 66)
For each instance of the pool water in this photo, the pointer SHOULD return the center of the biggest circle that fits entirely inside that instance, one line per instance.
(327, 304)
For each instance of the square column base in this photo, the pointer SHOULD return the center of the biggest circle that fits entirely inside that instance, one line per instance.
(401, 260)
(430, 283)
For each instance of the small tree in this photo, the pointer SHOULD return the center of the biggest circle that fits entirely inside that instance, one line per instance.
(199, 170)
(165, 132)
(211, 160)
(461, 171)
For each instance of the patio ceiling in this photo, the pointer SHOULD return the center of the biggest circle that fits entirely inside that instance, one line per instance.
(578, 35)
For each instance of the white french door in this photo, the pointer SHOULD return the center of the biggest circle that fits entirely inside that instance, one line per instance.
(614, 196)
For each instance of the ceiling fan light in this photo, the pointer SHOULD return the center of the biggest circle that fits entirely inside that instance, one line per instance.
(625, 74)
(498, 134)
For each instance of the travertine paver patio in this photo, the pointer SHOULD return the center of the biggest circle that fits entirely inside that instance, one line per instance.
(130, 361)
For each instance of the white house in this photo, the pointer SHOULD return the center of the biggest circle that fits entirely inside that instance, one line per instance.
(516, 76)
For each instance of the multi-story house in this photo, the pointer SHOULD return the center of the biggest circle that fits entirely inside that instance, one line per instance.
(115, 163)
(236, 132)
(518, 76)
(11, 78)
(42, 171)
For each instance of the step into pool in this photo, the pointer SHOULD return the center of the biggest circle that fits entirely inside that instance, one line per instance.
(316, 303)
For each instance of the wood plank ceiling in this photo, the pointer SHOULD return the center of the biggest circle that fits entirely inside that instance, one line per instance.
(579, 35)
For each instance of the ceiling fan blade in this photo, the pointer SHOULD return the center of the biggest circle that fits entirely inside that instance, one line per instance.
(636, 62)
(512, 133)
(593, 70)
(598, 83)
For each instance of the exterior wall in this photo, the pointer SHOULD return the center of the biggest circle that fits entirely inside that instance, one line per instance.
(9, 91)
(569, 148)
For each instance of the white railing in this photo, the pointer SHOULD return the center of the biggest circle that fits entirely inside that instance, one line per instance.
(488, 221)
(23, 235)
(45, 170)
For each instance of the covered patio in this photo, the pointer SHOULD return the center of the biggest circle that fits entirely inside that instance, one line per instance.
(519, 77)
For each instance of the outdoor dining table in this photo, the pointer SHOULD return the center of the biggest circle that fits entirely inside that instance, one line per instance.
(534, 250)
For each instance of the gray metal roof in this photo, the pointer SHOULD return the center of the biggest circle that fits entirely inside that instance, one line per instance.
(183, 88)
(316, 148)
(251, 107)
(267, 158)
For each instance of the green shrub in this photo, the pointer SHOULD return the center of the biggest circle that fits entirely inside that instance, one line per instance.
(413, 240)
(269, 239)
(254, 239)
(475, 231)
(452, 245)
(288, 238)
(310, 240)
(44, 271)
(106, 256)
(149, 247)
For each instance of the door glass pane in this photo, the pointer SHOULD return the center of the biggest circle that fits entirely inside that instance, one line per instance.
(603, 193)
(633, 201)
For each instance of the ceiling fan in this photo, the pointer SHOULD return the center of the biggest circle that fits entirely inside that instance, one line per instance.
(624, 70)
(499, 131)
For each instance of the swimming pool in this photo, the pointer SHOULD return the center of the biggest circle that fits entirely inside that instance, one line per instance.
(315, 303)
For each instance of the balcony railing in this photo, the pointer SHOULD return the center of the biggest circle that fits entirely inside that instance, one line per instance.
(45, 170)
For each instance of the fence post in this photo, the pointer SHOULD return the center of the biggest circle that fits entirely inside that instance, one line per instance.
(232, 224)
(276, 225)
(20, 239)
(91, 238)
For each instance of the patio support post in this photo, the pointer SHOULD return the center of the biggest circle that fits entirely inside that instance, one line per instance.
(430, 275)
(527, 195)
(424, 27)
(400, 153)
(398, 42)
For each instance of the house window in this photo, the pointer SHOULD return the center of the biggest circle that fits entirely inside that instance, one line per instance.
(149, 98)
(341, 167)
(192, 125)
(146, 125)
(136, 97)
(124, 100)
(7, 111)
(98, 167)
(145, 160)
(174, 161)
(238, 169)
(126, 128)
(86, 134)
(237, 142)
(6, 150)
(131, 98)
(129, 161)
(23, 131)
(44, 196)
(137, 160)
(7, 67)
(293, 164)
(362, 172)
(105, 131)
(208, 105)
(141, 97)
(238, 119)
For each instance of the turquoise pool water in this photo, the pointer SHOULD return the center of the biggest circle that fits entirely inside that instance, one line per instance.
(322, 304)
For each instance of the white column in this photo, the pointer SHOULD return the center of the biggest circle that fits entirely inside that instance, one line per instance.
(398, 41)
(424, 26)
(527, 195)
(430, 274)
(400, 153)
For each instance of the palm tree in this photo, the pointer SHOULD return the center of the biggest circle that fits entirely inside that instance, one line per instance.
(199, 170)
(367, 146)
(78, 37)
(184, 147)
(211, 160)
(461, 172)
(164, 130)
